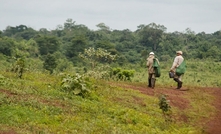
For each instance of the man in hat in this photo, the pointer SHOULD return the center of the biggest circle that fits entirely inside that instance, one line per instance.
(177, 61)
(151, 71)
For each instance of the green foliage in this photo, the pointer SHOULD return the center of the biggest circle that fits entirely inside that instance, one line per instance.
(131, 56)
(163, 103)
(122, 74)
(151, 35)
(71, 39)
(75, 46)
(100, 72)
(165, 107)
(94, 56)
(7, 46)
(75, 84)
(19, 67)
(10, 31)
(26, 34)
(50, 63)
(47, 44)
(104, 44)
(4, 81)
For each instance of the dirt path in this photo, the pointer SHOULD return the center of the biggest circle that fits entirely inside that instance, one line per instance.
(213, 126)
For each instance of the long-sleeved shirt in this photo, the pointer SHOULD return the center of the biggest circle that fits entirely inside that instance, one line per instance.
(177, 61)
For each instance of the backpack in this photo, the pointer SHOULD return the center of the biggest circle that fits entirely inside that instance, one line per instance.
(156, 68)
(181, 69)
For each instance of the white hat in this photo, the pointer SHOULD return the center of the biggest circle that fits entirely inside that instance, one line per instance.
(151, 53)
(179, 52)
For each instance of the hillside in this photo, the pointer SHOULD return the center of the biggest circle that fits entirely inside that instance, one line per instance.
(178, 99)
(37, 105)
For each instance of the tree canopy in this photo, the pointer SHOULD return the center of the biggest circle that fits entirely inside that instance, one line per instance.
(71, 39)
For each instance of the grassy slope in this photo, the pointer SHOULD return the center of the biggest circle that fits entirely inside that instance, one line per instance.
(35, 104)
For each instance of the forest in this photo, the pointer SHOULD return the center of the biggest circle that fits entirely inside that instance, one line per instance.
(68, 40)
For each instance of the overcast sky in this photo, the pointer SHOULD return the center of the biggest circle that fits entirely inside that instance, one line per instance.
(175, 15)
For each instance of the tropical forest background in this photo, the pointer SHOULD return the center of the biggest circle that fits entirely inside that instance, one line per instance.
(68, 40)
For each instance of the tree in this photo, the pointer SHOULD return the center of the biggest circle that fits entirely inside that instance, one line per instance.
(48, 44)
(151, 35)
(77, 45)
(94, 56)
(104, 44)
(102, 26)
(11, 31)
(33, 48)
(0, 33)
(7, 46)
(69, 24)
(50, 63)
(27, 34)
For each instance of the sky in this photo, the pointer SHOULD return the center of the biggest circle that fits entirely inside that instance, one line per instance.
(175, 15)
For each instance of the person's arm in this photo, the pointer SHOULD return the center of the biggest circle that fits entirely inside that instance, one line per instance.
(148, 63)
(175, 63)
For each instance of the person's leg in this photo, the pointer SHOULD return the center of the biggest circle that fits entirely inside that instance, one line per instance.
(153, 80)
(149, 79)
(178, 80)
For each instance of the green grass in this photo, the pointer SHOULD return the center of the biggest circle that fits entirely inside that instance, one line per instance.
(36, 104)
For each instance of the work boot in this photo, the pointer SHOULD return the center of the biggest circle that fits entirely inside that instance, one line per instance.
(153, 80)
(149, 82)
(179, 83)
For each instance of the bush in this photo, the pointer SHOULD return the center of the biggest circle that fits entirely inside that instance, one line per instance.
(120, 74)
(75, 84)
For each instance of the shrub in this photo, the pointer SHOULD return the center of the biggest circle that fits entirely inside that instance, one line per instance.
(165, 107)
(121, 74)
(75, 84)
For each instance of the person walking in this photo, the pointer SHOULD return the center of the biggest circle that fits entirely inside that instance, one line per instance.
(177, 61)
(151, 70)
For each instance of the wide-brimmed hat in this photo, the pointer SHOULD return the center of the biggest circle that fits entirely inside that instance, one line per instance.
(179, 52)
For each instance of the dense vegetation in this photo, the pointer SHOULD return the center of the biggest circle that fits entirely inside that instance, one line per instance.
(67, 80)
(67, 40)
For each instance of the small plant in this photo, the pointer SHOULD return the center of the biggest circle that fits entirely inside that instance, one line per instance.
(165, 107)
(19, 67)
(75, 84)
(121, 74)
